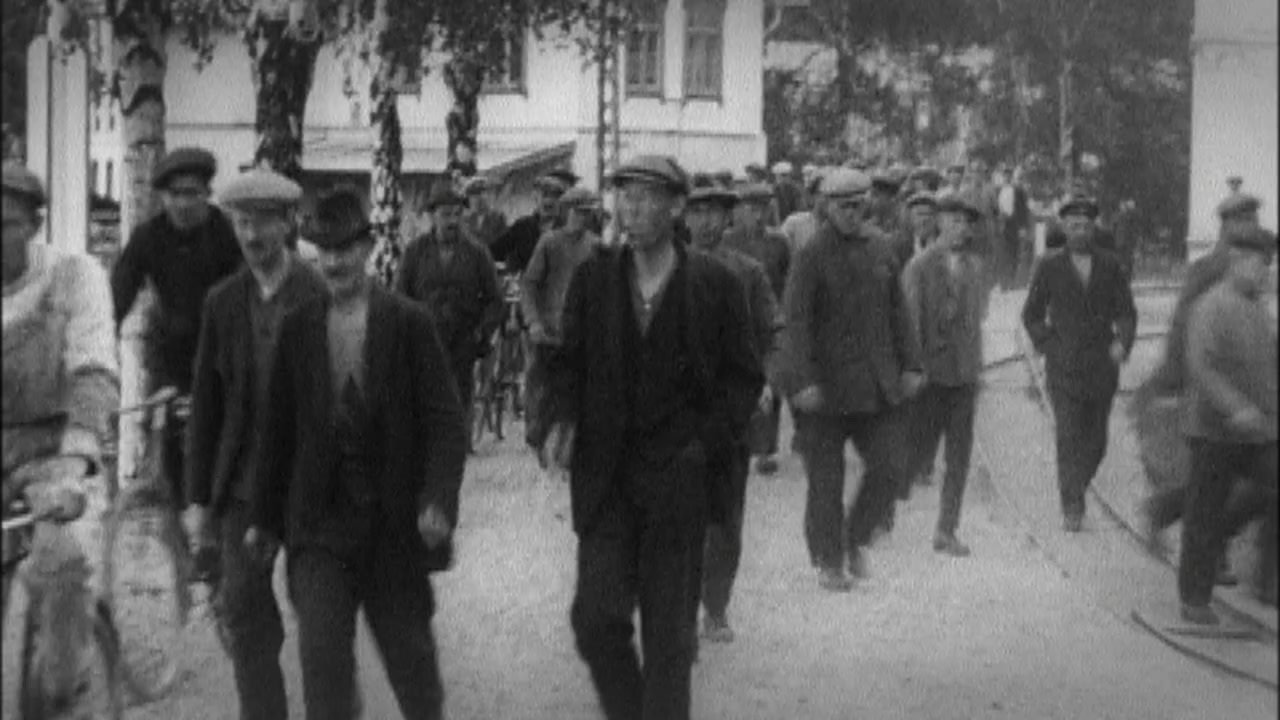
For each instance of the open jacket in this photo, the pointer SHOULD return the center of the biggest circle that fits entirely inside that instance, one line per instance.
(588, 373)
(417, 433)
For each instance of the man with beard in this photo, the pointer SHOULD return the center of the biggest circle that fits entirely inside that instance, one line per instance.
(652, 389)
(454, 277)
(240, 326)
(361, 458)
(183, 252)
(1079, 313)
(848, 361)
(751, 236)
(514, 248)
(707, 215)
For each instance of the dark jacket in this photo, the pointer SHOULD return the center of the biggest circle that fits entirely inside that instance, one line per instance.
(182, 267)
(769, 248)
(222, 402)
(417, 427)
(947, 313)
(514, 248)
(463, 295)
(588, 373)
(1074, 325)
(846, 327)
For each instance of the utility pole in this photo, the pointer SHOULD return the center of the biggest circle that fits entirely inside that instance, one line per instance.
(608, 90)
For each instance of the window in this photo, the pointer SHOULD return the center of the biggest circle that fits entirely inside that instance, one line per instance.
(644, 50)
(704, 48)
(510, 77)
(109, 177)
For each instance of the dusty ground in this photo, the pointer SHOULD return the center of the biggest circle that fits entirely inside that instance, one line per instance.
(1030, 627)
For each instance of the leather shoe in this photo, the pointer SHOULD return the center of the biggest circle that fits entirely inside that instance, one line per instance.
(1199, 614)
(715, 628)
(858, 565)
(834, 579)
(948, 544)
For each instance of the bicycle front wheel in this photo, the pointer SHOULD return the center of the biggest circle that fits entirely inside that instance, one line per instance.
(147, 591)
(93, 693)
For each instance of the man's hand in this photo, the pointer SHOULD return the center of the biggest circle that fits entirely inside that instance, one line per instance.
(765, 404)
(557, 449)
(198, 522)
(1117, 352)
(538, 334)
(261, 545)
(808, 400)
(912, 383)
(433, 526)
(1250, 421)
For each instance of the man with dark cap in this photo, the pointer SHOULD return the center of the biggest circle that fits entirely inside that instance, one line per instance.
(921, 228)
(652, 389)
(707, 215)
(1230, 419)
(360, 461)
(183, 252)
(1080, 314)
(481, 221)
(848, 360)
(455, 278)
(542, 293)
(514, 248)
(947, 288)
(239, 329)
(752, 237)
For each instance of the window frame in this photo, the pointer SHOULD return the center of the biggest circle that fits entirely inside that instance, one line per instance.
(655, 26)
(691, 34)
(507, 86)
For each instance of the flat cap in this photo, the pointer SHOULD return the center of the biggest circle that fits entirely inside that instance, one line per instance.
(18, 180)
(182, 161)
(654, 170)
(752, 192)
(1257, 239)
(782, 167)
(886, 180)
(442, 193)
(260, 186)
(922, 198)
(338, 223)
(724, 177)
(1238, 204)
(1078, 204)
(961, 202)
(565, 176)
(712, 195)
(845, 182)
(477, 184)
(579, 197)
(755, 169)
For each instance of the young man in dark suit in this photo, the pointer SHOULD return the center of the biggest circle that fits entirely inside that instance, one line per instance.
(238, 334)
(1079, 313)
(650, 395)
(362, 454)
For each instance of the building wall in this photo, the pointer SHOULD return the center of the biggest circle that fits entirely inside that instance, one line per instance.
(1234, 111)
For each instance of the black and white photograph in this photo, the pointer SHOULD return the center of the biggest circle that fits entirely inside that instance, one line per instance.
(640, 359)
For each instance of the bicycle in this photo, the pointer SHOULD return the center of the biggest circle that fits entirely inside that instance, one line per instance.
(48, 685)
(499, 374)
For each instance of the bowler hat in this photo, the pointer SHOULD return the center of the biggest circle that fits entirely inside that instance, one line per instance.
(654, 170)
(1238, 204)
(20, 181)
(1079, 204)
(1256, 239)
(184, 161)
(338, 223)
(712, 195)
(260, 186)
(442, 193)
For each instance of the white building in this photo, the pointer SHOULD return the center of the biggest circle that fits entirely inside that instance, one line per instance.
(693, 89)
(1233, 111)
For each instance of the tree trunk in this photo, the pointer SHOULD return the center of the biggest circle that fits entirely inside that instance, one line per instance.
(139, 31)
(464, 77)
(1067, 150)
(385, 181)
(283, 61)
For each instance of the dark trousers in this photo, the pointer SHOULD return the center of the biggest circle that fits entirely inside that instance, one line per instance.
(764, 429)
(536, 423)
(646, 554)
(723, 549)
(1081, 438)
(1214, 468)
(249, 621)
(327, 590)
(879, 440)
(944, 411)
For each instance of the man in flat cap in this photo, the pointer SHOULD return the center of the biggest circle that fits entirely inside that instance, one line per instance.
(455, 278)
(921, 229)
(848, 361)
(60, 384)
(183, 252)
(1230, 419)
(481, 221)
(1155, 403)
(651, 391)
(707, 214)
(238, 334)
(751, 236)
(947, 288)
(802, 226)
(542, 294)
(360, 462)
(1079, 313)
(514, 248)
